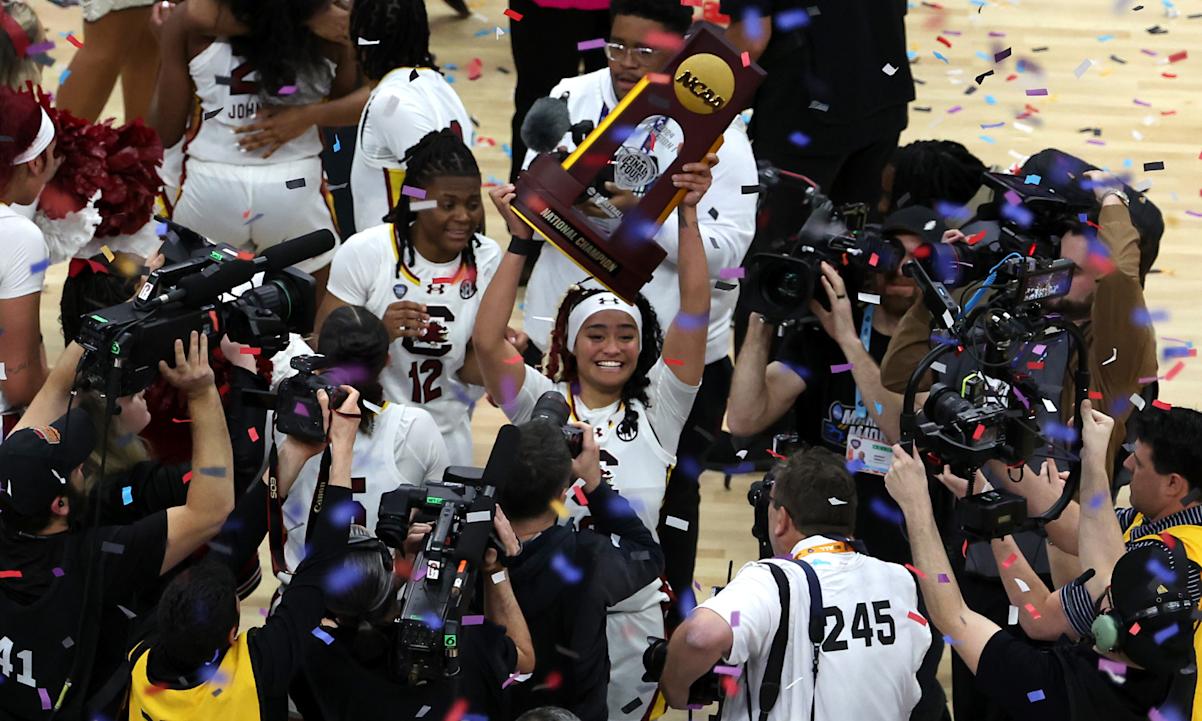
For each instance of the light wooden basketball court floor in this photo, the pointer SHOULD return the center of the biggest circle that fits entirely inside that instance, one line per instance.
(1059, 69)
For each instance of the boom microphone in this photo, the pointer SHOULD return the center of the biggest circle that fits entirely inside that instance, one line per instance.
(293, 251)
(545, 124)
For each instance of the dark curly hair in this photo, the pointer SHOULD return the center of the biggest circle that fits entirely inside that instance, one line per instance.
(672, 14)
(398, 32)
(560, 362)
(440, 153)
(279, 45)
(351, 335)
(195, 614)
(926, 172)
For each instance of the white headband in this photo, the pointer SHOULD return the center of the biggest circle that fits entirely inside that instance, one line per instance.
(40, 143)
(595, 304)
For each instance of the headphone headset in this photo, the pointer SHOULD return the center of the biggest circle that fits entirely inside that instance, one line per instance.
(1108, 628)
(368, 542)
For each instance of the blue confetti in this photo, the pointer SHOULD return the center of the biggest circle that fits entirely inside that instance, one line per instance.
(799, 138)
(911, 54)
(1157, 569)
(160, 229)
(744, 467)
(257, 216)
(432, 620)
(337, 143)
(341, 579)
(1105, 38)
(63, 78)
(40, 266)
(792, 19)
(883, 510)
(1165, 634)
(987, 139)
(990, 100)
(940, 56)
(507, 150)
(569, 573)
(1181, 351)
(751, 24)
(321, 635)
(1033, 179)
(1145, 317)
(1018, 214)
(1036, 695)
(127, 495)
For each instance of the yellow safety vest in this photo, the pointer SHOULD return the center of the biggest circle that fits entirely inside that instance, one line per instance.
(230, 694)
(1191, 537)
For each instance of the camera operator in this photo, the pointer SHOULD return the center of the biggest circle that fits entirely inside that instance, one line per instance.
(811, 516)
(1139, 643)
(349, 678)
(848, 411)
(567, 580)
(198, 665)
(64, 571)
(1105, 300)
(396, 444)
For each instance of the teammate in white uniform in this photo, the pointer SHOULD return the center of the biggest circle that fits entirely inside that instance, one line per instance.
(425, 276)
(605, 357)
(399, 445)
(410, 99)
(873, 630)
(245, 198)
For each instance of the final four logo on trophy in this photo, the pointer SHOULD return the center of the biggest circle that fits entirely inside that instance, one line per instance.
(604, 202)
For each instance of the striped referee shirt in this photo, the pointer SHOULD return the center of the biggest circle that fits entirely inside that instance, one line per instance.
(1080, 608)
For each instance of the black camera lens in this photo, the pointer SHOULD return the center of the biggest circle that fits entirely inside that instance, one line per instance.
(789, 285)
(944, 406)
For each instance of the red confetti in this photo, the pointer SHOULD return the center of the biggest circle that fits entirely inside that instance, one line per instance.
(978, 432)
(254, 435)
(674, 361)
(513, 15)
(1175, 57)
(580, 497)
(730, 685)
(691, 3)
(1095, 395)
(1162, 405)
(1177, 368)
(187, 476)
(916, 571)
(775, 455)
(514, 360)
(659, 78)
(1010, 560)
(873, 260)
(975, 238)
(964, 549)
(1032, 610)
(245, 255)
(917, 617)
(1035, 365)
(458, 709)
(74, 40)
(944, 40)
(181, 420)
(1134, 629)
(10, 574)
(250, 351)
(746, 58)
(1168, 540)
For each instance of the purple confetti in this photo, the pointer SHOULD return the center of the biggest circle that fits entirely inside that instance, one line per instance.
(590, 44)
(286, 90)
(842, 367)
(324, 637)
(731, 273)
(1031, 92)
(734, 619)
(954, 109)
(472, 620)
(45, 697)
(1036, 695)
(721, 670)
(413, 192)
(58, 572)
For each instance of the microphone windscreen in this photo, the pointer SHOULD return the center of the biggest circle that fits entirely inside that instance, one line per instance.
(545, 124)
(293, 251)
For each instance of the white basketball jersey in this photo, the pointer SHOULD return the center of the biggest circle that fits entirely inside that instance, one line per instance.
(227, 87)
(404, 107)
(404, 448)
(422, 371)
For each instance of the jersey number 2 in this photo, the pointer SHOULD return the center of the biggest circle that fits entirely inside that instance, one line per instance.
(25, 657)
(424, 391)
(861, 627)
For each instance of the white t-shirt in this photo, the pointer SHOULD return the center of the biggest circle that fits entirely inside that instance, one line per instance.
(24, 268)
(726, 217)
(870, 639)
(404, 107)
(421, 371)
(404, 448)
(227, 87)
(638, 464)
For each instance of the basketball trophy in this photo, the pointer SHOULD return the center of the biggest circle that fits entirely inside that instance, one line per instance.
(672, 118)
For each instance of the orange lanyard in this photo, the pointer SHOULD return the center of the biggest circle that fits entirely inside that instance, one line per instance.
(832, 547)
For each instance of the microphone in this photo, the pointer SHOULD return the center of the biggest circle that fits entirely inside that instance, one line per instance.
(293, 251)
(199, 288)
(545, 124)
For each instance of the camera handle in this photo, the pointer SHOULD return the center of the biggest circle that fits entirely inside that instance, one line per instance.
(1081, 380)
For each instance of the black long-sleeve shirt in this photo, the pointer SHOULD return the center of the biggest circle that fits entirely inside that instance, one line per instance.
(567, 579)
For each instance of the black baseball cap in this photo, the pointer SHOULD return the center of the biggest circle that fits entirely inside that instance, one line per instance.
(1148, 587)
(36, 462)
(916, 220)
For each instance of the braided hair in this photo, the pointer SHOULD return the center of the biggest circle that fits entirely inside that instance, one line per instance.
(398, 33)
(355, 338)
(929, 171)
(560, 362)
(439, 153)
(279, 44)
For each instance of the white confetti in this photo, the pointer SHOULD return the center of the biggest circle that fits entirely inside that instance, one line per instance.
(1022, 585)
(1083, 68)
(1114, 355)
(498, 577)
(371, 406)
(422, 205)
(1023, 127)
(422, 711)
(836, 502)
(363, 41)
(1137, 401)
(3, 376)
(741, 454)
(678, 523)
(1047, 403)
(938, 367)
(479, 517)
(1012, 618)
(889, 69)
(615, 539)
(872, 298)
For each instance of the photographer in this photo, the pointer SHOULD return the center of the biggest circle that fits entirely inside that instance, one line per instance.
(350, 678)
(396, 444)
(1140, 642)
(66, 572)
(848, 410)
(566, 580)
(198, 665)
(811, 516)
(1106, 302)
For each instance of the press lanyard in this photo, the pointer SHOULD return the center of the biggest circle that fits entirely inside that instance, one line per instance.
(866, 339)
(832, 547)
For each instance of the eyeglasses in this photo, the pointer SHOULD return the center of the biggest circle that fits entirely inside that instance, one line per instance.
(617, 52)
